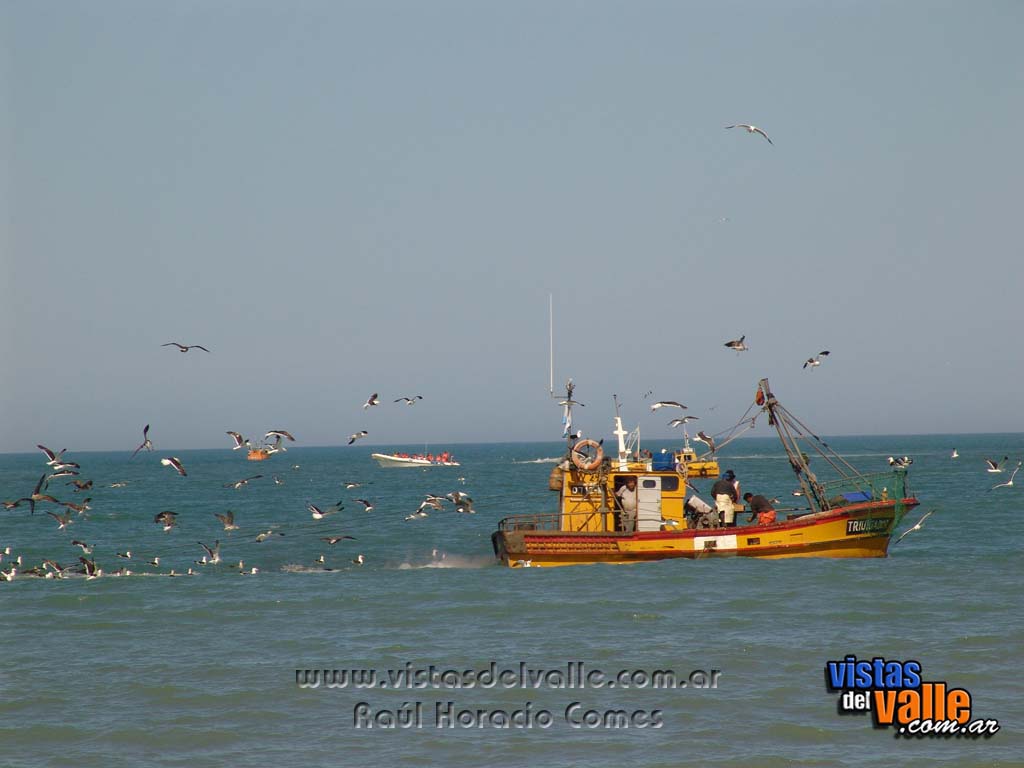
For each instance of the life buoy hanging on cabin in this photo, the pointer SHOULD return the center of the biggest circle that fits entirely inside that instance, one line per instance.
(759, 397)
(580, 459)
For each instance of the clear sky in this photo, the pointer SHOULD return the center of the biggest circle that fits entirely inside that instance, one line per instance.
(340, 198)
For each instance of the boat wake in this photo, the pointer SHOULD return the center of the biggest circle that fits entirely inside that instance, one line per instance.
(549, 460)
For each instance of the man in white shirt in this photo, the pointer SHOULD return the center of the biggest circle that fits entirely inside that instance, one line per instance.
(627, 503)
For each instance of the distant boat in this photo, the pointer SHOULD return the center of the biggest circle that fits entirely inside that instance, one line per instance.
(394, 460)
(258, 454)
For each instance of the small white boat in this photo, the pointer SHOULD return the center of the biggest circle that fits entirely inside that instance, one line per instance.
(394, 460)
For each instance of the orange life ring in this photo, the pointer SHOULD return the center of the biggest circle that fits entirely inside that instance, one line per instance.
(579, 459)
(759, 397)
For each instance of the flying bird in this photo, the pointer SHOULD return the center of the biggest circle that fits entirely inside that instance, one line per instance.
(175, 462)
(751, 129)
(52, 458)
(239, 440)
(63, 521)
(1009, 482)
(667, 404)
(372, 400)
(279, 433)
(167, 519)
(87, 549)
(261, 537)
(410, 400)
(684, 420)
(332, 540)
(900, 462)
(815, 361)
(706, 439)
(227, 520)
(955, 454)
(995, 466)
(239, 483)
(358, 435)
(915, 527)
(147, 444)
(366, 504)
(184, 347)
(213, 552)
(737, 344)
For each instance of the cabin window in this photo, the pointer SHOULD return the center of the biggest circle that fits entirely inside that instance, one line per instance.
(670, 483)
(650, 484)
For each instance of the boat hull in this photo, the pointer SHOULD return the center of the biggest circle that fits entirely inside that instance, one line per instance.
(386, 460)
(858, 531)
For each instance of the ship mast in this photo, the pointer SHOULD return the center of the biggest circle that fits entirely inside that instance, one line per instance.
(778, 418)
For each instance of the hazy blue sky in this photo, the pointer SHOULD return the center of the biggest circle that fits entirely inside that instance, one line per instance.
(339, 198)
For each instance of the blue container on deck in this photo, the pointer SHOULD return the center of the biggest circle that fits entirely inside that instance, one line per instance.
(663, 461)
(858, 496)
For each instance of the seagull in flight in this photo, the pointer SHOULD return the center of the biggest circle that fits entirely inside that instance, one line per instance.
(239, 483)
(684, 420)
(994, 466)
(709, 441)
(184, 347)
(174, 461)
(86, 549)
(279, 433)
(167, 519)
(915, 527)
(147, 444)
(358, 435)
(373, 399)
(366, 504)
(901, 462)
(227, 520)
(737, 344)
(332, 540)
(63, 520)
(239, 440)
(52, 458)
(751, 129)
(667, 404)
(955, 454)
(410, 400)
(213, 552)
(1008, 482)
(261, 537)
(815, 361)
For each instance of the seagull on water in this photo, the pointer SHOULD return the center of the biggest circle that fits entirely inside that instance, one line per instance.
(147, 444)
(751, 129)
(371, 400)
(900, 462)
(667, 404)
(815, 361)
(351, 484)
(126, 555)
(174, 461)
(184, 347)
(91, 571)
(915, 527)
(358, 435)
(995, 466)
(1008, 482)
(227, 520)
(737, 344)
(360, 559)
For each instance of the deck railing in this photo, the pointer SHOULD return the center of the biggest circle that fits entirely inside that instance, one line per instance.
(873, 487)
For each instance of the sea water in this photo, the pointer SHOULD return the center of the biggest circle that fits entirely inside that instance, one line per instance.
(202, 670)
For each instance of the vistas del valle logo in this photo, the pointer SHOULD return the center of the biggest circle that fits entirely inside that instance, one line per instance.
(898, 697)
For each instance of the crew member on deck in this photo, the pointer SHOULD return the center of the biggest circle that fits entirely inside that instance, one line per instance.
(760, 508)
(724, 491)
(627, 502)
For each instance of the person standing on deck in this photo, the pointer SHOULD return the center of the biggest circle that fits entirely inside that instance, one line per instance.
(627, 501)
(726, 495)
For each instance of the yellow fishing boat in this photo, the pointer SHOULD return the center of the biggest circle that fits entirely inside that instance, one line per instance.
(853, 515)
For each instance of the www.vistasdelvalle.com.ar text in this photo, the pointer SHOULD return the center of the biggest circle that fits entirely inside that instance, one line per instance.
(575, 675)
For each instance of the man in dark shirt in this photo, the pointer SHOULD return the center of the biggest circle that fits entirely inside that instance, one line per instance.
(724, 491)
(759, 507)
